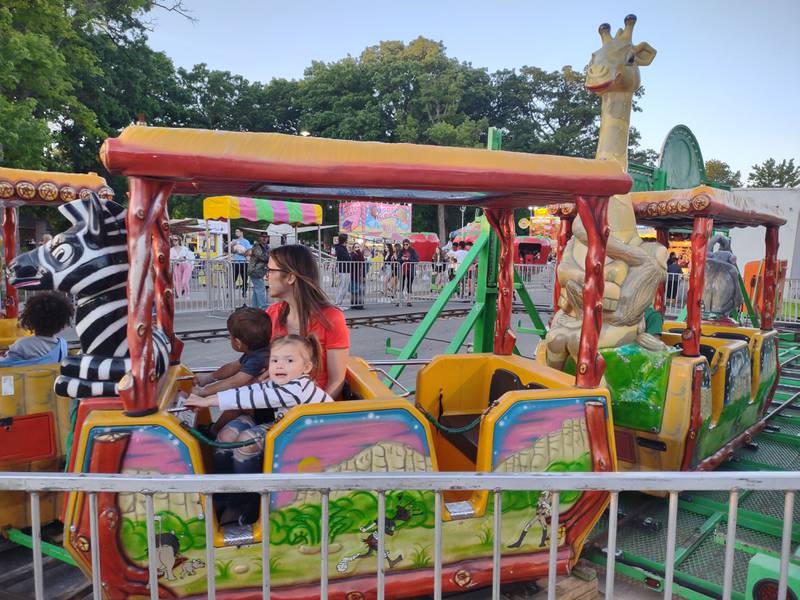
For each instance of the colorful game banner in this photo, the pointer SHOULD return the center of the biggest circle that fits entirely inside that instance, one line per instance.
(374, 219)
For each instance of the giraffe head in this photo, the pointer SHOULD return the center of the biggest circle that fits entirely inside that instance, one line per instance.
(615, 66)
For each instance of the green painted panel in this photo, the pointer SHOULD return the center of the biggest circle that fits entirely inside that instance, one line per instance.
(637, 379)
(681, 159)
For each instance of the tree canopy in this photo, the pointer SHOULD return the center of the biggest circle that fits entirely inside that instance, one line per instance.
(73, 72)
(773, 174)
(721, 172)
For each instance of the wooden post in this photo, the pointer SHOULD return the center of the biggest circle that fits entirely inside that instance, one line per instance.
(164, 284)
(662, 237)
(770, 279)
(593, 213)
(146, 209)
(564, 235)
(502, 221)
(10, 252)
(697, 278)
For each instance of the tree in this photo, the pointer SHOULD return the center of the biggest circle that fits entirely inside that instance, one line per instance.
(721, 172)
(775, 175)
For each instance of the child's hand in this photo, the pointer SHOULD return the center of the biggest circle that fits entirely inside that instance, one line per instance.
(203, 379)
(200, 402)
(263, 377)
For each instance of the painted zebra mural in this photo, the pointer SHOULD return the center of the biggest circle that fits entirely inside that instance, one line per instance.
(90, 261)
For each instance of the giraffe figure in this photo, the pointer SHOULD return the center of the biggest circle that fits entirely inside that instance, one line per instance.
(633, 268)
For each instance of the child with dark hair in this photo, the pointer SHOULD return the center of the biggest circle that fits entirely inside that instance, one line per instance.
(250, 330)
(45, 314)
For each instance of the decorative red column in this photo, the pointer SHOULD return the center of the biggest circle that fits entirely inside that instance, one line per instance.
(662, 237)
(593, 213)
(770, 278)
(697, 278)
(502, 221)
(10, 252)
(164, 285)
(564, 234)
(146, 209)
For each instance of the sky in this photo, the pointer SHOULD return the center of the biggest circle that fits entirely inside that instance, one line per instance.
(726, 69)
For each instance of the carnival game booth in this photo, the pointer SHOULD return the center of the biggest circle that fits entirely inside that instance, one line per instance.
(517, 406)
(35, 419)
(539, 246)
(691, 405)
(425, 244)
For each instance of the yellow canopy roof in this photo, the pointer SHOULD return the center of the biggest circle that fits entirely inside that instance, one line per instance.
(19, 186)
(240, 163)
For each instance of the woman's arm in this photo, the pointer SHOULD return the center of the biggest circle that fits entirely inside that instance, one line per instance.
(337, 368)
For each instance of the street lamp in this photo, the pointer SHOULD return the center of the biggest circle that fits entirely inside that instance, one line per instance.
(462, 209)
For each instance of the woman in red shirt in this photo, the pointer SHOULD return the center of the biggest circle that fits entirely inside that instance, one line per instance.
(302, 308)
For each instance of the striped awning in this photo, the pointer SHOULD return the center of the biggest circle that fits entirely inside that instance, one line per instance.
(258, 209)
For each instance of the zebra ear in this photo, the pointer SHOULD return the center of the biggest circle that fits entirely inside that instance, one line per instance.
(95, 220)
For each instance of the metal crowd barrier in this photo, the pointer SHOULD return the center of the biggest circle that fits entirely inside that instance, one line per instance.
(264, 484)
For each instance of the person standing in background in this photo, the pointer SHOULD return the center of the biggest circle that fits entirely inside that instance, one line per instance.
(343, 267)
(357, 277)
(259, 256)
(239, 247)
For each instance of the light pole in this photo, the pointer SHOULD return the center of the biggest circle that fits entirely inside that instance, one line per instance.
(463, 210)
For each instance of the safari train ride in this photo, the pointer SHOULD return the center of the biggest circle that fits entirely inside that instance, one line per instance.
(604, 391)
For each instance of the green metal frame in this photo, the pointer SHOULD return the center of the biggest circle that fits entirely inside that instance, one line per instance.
(57, 552)
(482, 315)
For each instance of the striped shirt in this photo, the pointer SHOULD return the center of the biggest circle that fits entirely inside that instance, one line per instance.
(270, 395)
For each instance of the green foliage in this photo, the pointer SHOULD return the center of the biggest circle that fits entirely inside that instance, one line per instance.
(420, 557)
(223, 569)
(300, 524)
(772, 174)
(721, 172)
(73, 72)
(486, 537)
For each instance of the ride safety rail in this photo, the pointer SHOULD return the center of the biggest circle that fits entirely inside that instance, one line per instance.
(671, 483)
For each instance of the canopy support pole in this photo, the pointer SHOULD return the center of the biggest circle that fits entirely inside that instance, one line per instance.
(9, 252)
(319, 239)
(593, 213)
(662, 237)
(146, 213)
(701, 231)
(564, 235)
(502, 221)
(770, 278)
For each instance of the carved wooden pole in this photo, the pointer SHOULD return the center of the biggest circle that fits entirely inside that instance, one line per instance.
(770, 278)
(502, 220)
(662, 237)
(148, 200)
(10, 251)
(164, 285)
(697, 278)
(593, 213)
(564, 234)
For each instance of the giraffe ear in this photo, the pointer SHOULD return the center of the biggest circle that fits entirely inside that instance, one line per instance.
(645, 53)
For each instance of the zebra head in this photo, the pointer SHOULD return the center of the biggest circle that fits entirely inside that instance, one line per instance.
(86, 259)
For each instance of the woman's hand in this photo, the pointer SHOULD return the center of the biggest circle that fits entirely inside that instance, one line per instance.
(200, 402)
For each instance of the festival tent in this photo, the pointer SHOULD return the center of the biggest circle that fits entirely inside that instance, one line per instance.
(425, 244)
(277, 212)
(468, 233)
(537, 244)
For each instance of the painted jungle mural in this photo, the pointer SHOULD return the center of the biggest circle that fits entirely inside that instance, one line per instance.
(547, 435)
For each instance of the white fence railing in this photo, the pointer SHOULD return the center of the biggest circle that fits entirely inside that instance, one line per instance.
(614, 483)
(371, 282)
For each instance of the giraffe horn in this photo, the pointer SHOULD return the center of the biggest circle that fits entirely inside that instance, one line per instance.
(627, 33)
(605, 32)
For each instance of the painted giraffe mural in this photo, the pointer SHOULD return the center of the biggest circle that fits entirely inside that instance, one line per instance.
(633, 268)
